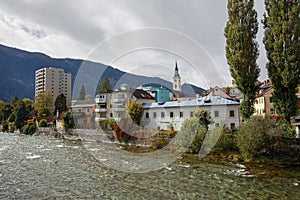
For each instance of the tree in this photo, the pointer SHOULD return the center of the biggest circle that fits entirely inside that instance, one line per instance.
(14, 100)
(104, 85)
(60, 104)
(82, 93)
(44, 103)
(68, 121)
(22, 114)
(29, 103)
(5, 111)
(242, 50)
(135, 111)
(193, 131)
(2, 103)
(282, 43)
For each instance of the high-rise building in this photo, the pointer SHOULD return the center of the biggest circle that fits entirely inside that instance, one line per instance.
(53, 80)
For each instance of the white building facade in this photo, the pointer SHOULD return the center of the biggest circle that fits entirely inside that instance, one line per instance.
(163, 115)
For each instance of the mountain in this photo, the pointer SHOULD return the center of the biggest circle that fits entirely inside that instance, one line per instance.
(17, 74)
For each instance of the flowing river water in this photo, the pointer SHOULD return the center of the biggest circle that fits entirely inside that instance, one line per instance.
(48, 168)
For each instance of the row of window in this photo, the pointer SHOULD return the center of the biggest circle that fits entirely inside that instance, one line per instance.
(181, 114)
(262, 111)
(261, 100)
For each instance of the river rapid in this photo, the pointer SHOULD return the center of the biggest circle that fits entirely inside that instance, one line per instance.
(49, 168)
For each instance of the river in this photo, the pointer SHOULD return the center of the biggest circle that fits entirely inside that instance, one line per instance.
(48, 168)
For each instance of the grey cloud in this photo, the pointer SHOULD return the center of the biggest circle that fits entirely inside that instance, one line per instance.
(91, 22)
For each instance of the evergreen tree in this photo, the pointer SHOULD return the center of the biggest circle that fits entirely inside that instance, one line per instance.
(242, 50)
(60, 104)
(104, 85)
(282, 43)
(21, 115)
(82, 93)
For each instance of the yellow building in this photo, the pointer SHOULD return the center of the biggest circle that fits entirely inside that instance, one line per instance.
(264, 105)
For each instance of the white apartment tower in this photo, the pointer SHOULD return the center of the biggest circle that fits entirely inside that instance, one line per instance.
(54, 80)
(176, 80)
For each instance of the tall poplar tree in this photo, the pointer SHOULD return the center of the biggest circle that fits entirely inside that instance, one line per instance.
(282, 43)
(242, 50)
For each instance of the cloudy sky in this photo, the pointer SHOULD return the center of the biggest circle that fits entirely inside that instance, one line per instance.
(137, 36)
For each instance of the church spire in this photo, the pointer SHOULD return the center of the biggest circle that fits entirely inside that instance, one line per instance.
(176, 79)
(176, 70)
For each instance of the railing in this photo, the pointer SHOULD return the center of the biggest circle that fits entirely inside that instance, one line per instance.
(119, 100)
(100, 100)
(100, 110)
(119, 109)
(100, 118)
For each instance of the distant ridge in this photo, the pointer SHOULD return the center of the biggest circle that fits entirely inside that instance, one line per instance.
(17, 74)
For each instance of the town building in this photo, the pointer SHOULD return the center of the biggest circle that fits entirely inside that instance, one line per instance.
(55, 81)
(217, 91)
(160, 93)
(113, 104)
(174, 113)
(264, 104)
(84, 113)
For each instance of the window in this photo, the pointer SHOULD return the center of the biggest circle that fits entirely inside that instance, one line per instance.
(171, 114)
(231, 113)
(147, 115)
(191, 114)
(111, 115)
(162, 115)
(181, 114)
(232, 126)
(79, 110)
(271, 99)
(88, 110)
(154, 114)
(272, 111)
(216, 113)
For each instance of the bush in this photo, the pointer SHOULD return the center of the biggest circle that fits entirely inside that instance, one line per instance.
(191, 135)
(5, 126)
(222, 140)
(256, 136)
(45, 112)
(12, 127)
(107, 124)
(12, 118)
(68, 121)
(43, 123)
(29, 129)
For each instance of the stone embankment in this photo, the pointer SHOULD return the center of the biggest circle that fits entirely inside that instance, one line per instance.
(57, 133)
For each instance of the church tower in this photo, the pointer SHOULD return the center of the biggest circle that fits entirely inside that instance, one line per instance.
(176, 79)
